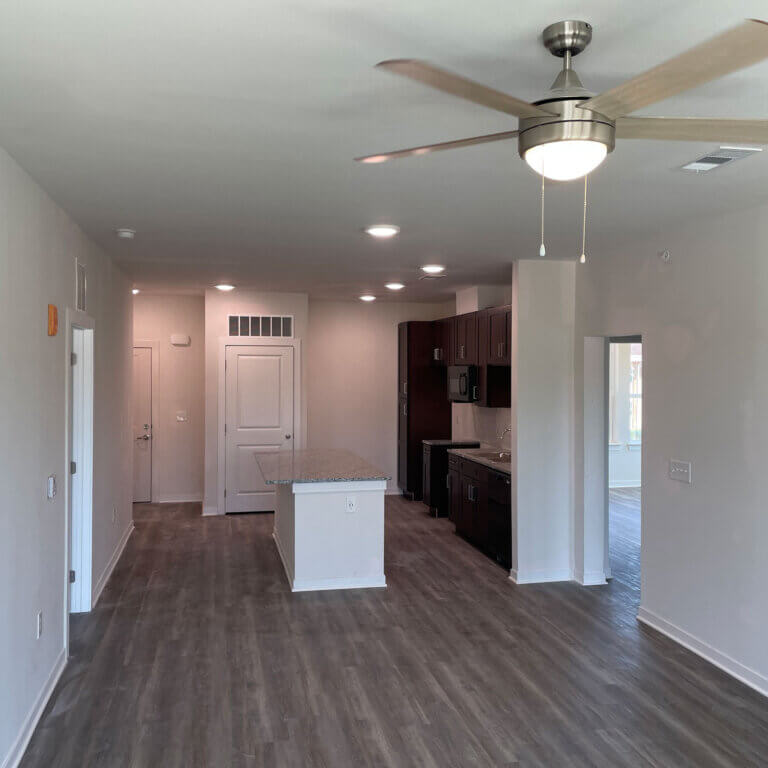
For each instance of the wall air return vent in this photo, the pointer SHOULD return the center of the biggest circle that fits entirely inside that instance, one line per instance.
(719, 158)
(264, 326)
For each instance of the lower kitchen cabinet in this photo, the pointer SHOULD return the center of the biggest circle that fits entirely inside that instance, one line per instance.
(436, 481)
(481, 507)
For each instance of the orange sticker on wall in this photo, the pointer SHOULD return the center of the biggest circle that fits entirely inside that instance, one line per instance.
(53, 320)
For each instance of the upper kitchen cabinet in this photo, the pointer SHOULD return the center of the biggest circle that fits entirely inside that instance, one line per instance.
(465, 339)
(495, 335)
(443, 350)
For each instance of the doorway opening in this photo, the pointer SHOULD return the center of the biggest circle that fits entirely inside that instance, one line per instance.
(80, 450)
(142, 423)
(625, 420)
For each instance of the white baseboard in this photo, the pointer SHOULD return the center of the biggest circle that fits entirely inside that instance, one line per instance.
(104, 578)
(736, 669)
(590, 578)
(176, 498)
(19, 746)
(210, 511)
(627, 484)
(540, 577)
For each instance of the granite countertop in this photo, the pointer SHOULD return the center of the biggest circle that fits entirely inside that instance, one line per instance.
(455, 443)
(315, 466)
(472, 454)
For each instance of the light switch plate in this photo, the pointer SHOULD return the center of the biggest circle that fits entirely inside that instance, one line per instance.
(680, 471)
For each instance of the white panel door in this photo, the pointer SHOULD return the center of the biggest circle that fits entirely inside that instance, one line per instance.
(142, 424)
(259, 419)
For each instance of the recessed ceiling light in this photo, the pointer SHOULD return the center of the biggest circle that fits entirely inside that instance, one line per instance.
(374, 159)
(433, 269)
(225, 287)
(125, 234)
(367, 297)
(395, 286)
(134, 291)
(382, 230)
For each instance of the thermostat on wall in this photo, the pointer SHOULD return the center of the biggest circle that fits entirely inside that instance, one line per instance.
(180, 340)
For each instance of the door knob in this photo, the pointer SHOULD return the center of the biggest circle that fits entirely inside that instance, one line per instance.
(143, 437)
(287, 437)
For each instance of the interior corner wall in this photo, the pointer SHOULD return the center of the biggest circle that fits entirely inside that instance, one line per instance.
(218, 306)
(543, 360)
(703, 317)
(352, 376)
(37, 268)
(177, 446)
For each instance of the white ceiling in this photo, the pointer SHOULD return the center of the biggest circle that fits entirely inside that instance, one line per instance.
(224, 133)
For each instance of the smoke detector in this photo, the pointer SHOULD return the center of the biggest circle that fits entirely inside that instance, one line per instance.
(719, 158)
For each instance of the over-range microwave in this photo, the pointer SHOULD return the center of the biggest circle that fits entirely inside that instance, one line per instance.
(462, 383)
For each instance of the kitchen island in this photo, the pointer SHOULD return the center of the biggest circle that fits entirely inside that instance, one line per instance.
(329, 518)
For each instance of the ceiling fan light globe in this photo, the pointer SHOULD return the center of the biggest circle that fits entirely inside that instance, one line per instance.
(566, 160)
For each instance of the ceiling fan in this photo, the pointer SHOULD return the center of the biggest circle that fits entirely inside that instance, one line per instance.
(568, 133)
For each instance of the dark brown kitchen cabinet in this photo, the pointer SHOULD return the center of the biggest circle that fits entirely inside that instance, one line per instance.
(436, 469)
(424, 411)
(465, 339)
(495, 334)
(442, 354)
(481, 508)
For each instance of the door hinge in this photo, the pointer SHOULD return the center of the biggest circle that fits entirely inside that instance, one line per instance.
(71, 577)
(72, 467)
(73, 358)
(225, 429)
(225, 493)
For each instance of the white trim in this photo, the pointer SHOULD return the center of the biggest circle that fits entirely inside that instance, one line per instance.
(154, 345)
(19, 746)
(316, 585)
(339, 486)
(76, 319)
(625, 484)
(298, 423)
(107, 572)
(590, 578)
(210, 511)
(736, 669)
(178, 498)
(540, 577)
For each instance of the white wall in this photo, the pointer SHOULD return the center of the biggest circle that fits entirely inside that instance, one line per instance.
(218, 305)
(704, 322)
(352, 376)
(542, 414)
(37, 267)
(623, 453)
(472, 422)
(177, 447)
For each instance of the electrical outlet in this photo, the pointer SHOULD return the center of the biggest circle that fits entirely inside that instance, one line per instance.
(39, 624)
(351, 505)
(51, 488)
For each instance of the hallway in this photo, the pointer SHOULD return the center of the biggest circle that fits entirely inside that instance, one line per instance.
(624, 537)
(198, 655)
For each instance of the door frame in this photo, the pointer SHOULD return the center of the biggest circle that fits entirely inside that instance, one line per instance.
(82, 564)
(154, 344)
(298, 424)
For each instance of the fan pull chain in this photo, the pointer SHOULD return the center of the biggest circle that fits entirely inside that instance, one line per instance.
(542, 249)
(583, 257)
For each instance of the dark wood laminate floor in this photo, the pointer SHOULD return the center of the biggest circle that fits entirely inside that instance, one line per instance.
(624, 538)
(198, 655)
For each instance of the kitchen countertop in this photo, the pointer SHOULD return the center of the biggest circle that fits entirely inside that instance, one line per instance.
(472, 455)
(455, 443)
(315, 466)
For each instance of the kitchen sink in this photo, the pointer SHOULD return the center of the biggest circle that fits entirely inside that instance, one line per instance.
(500, 457)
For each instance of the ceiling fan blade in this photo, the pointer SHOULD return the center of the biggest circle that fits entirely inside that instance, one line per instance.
(462, 87)
(735, 49)
(425, 150)
(692, 129)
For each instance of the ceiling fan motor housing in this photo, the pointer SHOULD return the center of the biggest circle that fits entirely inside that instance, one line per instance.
(567, 123)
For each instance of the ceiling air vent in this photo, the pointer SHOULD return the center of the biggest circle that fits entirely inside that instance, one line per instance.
(431, 277)
(718, 159)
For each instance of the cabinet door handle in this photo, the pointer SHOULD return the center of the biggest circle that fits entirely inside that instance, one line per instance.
(405, 409)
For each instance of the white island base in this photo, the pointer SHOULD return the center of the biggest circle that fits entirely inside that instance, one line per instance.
(330, 535)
